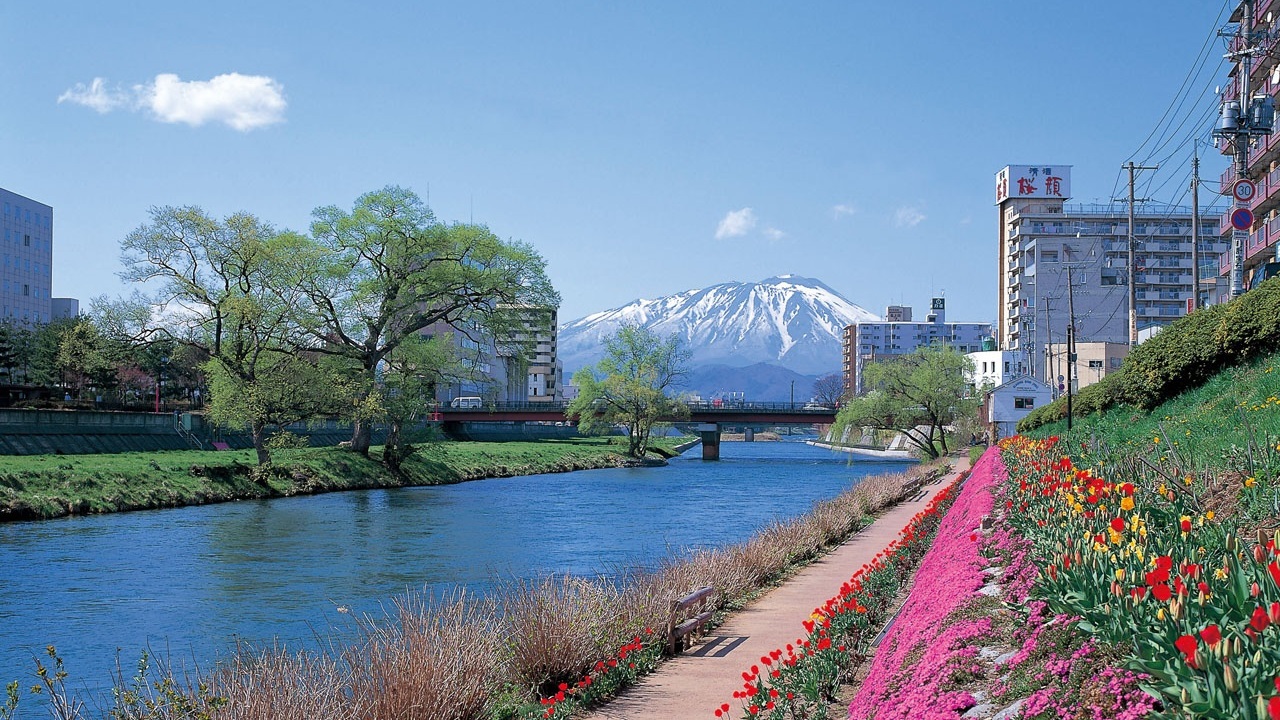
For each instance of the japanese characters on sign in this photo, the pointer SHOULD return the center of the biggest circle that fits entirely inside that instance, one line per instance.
(1033, 181)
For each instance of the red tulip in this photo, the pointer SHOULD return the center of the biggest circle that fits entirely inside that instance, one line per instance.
(1211, 635)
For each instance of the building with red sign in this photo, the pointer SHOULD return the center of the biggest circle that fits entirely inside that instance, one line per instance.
(1053, 254)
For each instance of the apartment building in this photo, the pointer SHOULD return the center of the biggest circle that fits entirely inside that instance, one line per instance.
(1259, 252)
(882, 341)
(26, 259)
(1054, 256)
(532, 348)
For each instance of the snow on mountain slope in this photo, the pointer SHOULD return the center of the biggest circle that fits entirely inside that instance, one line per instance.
(791, 321)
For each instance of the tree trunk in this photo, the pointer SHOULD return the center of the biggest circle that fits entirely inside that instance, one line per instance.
(361, 436)
(259, 432)
(394, 450)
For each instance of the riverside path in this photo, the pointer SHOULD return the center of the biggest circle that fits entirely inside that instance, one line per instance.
(691, 686)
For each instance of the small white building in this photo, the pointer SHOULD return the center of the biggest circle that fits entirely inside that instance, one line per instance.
(993, 368)
(1012, 401)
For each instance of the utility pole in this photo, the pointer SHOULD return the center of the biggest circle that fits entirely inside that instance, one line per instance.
(1195, 226)
(1133, 285)
(1071, 341)
(1242, 120)
(1048, 345)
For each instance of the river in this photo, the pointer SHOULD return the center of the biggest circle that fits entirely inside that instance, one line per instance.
(188, 583)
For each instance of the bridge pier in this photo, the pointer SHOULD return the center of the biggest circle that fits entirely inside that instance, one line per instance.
(749, 435)
(710, 433)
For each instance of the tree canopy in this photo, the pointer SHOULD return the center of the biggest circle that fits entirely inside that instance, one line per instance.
(629, 385)
(372, 278)
(917, 394)
(281, 318)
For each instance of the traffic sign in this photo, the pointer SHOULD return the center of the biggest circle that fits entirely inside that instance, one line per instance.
(1241, 219)
(1243, 190)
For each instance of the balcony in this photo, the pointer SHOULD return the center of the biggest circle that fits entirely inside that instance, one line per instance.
(1224, 264)
(1163, 278)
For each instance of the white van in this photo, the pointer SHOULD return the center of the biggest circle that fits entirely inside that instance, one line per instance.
(465, 402)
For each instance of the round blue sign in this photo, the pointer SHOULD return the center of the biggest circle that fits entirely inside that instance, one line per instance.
(1241, 219)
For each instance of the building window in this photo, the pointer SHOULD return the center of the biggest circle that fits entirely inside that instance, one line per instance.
(1049, 256)
(1024, 403)
(26, 241)
(26, 289)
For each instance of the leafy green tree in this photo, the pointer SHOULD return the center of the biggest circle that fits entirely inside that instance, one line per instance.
(16, 348)
(282, 389)
(629, 385)
(377, 275)
(217, 287)
(917, 394)
(45, 369)
(83, 357)
(409, 379)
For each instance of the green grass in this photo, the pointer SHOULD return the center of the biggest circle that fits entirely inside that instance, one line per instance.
(46, 486)
(1215, 427)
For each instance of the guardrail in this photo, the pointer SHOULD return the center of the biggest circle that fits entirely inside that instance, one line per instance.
(700, 406)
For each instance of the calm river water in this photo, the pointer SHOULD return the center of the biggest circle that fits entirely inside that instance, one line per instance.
(189, 582)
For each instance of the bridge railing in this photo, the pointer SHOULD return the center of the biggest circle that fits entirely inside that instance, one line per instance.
(700, 406)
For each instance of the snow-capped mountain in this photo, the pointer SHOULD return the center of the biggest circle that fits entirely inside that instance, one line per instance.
(791, 321)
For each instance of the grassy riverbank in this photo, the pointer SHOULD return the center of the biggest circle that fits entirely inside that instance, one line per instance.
(48, 486)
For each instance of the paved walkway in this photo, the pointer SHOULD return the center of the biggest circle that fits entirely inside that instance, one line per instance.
(694, 684)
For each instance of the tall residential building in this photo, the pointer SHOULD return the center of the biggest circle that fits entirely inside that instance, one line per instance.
(1259, 252)
(881, 341)
(1053, 254)
(26, 259)
(532, 349)
(520, 367)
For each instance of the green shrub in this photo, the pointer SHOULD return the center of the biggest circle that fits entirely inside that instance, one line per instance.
(1182, 356)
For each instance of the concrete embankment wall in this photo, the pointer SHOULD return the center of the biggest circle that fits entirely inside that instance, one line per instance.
(77, 432)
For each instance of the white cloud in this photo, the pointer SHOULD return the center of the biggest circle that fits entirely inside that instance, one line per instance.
(736, 223)
(774, 233)
(907, 217)
(95, 95)
(843, 209)
(243, 102)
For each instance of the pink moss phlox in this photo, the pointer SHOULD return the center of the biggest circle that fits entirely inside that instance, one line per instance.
(949, 575)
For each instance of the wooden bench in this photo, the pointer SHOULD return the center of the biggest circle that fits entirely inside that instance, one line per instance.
(683, 626)
(912, 486)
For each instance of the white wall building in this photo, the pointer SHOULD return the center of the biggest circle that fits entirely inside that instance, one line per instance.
(993, 368)
(1012, 401)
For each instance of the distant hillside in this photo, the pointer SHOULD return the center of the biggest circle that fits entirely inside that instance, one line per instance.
(788, 321)
(761, 382)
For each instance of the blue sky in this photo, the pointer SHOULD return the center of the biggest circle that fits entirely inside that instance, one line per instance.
(643, 148)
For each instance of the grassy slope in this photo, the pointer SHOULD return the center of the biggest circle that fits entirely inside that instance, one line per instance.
(45, 486)
(1216, 427)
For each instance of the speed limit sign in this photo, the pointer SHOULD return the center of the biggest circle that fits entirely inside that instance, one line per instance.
(1243, 190)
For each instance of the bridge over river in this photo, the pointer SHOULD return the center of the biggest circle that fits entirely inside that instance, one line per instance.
(709, 416)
